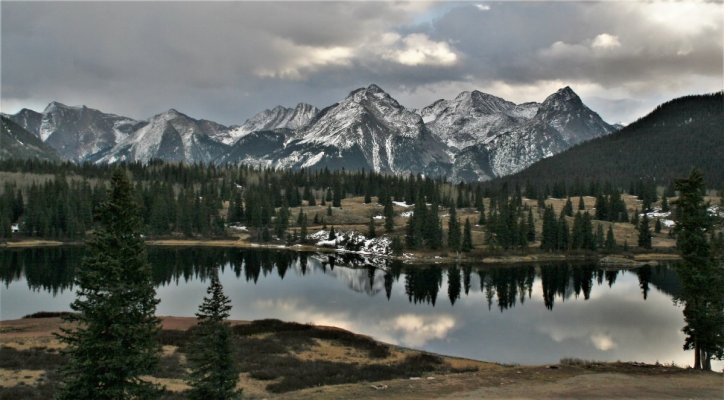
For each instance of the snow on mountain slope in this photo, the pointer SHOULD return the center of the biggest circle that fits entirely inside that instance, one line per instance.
(75, 132)
(561, 121)
(277, 118)
(171, 136)
(473, 117)
(368, 129)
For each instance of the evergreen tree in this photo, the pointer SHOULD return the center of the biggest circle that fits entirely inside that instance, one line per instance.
(396, 246)
(112, 341)
(644, 233)
(610, 240)
(665, 203)
(549, 236)
(564, 239)
(530, 235)
(568, 208)
(657, 226)
(329, 210)
(467, 244)
(337, 194)
(453, 232)
(214, 374)
(371, 229)
(389, 213)
(332, 234)
(635, 218)
(700, 273)
(581, 204)
(303, 227)
(600, 238)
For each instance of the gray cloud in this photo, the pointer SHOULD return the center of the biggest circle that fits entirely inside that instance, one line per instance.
(227, 61)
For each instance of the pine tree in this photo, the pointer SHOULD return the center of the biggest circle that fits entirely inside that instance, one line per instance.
(214, 374)
(665, 203)
(530, 235)
(396, 246)
(657, 226)
(644, 233)
(337, 194)
(564, 238)
(113, 339)
(389, 212)
(329, 210)
(581, 204)
(453, 230)
(371, 229)
(610, 240)
(467, 244)
(568, 208)
(303, 227)
(332, 234)
(700, 273)
(600, 238)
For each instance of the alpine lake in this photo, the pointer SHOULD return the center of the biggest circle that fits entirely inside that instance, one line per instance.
(513, 314)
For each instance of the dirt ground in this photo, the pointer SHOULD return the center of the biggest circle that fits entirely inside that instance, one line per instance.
(461, 378)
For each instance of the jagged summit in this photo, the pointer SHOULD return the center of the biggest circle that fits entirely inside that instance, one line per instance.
(473, 136)
(279, 117)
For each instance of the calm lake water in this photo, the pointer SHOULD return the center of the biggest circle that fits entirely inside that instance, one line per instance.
(512, 314)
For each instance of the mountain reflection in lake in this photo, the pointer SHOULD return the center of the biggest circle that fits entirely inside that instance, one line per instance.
(513, 314)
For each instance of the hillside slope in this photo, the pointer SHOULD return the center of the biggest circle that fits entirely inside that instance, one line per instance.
(667, 143)
(18, 143)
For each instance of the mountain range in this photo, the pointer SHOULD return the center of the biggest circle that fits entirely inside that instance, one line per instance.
(473, 137)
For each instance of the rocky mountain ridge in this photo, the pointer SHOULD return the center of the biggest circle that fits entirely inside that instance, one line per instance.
(475, 136)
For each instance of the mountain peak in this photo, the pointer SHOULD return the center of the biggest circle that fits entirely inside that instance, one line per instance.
(55, 105)
(374, 88)
(565, 93)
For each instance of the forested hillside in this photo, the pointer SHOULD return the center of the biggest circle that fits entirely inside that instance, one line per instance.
(666, 144)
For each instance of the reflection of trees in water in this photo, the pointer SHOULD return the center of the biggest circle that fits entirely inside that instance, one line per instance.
(52, 270)
(46, 269)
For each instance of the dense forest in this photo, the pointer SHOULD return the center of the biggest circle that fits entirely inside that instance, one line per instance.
(60, 200)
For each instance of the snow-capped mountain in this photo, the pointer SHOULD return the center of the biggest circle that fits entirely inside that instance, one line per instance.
(75, 132)
(475, 136)
(170, 136)
(474, 117)
(368, 129)
(278, 117)
(561, 121)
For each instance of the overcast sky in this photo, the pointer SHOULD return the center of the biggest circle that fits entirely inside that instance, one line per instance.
(227, 61)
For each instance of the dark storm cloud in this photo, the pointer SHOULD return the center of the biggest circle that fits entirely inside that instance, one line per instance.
(226, 61)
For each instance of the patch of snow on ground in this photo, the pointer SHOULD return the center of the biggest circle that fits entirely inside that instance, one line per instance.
(353, 241)
(402, 204)
(407, 214)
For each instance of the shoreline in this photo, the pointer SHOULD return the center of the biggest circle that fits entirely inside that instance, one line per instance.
(405, 373)
(609, 259)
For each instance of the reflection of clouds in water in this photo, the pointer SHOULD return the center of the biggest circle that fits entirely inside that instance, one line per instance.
(603, 341)
(416, 330)
(294, 309)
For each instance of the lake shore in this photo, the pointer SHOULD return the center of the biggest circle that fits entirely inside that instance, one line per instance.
(310, 347)
(412, 257)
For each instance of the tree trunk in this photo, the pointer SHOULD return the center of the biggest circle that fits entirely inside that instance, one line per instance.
(697, 356)
(706, 361)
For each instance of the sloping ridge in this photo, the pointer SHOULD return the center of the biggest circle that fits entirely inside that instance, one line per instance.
(667, 143)
(18, 143)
